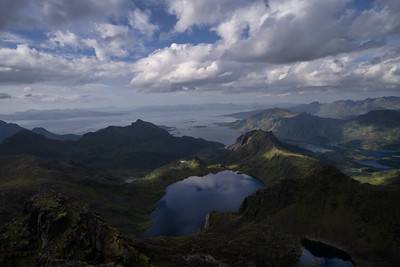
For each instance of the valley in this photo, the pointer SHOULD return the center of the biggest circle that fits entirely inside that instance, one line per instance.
(340, 194)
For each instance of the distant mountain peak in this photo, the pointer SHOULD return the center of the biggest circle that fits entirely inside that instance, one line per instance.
(256, 138)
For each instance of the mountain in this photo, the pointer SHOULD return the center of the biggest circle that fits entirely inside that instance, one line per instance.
(329, 206)
(8, 129)
(50, 135)
(123, 205)
(345, 109)
(268, 119)
(262, 155)
(54, 230)
(305, 199)
(376, 130)
(141, 146)
(379, 119)
(321, 204)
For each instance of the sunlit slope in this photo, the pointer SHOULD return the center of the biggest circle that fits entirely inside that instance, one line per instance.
(262, 155)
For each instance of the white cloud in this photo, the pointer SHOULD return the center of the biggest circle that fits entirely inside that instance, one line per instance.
(141, 21)
(61, 39)
(27, 65)
(178, 67)
(205, 12)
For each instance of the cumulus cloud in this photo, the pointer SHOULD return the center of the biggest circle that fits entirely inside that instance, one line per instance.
(179, 67)
(27, 65)
(113, 41)
(52, 13)
(206, 12)
(62, 39)
(201, 67)
(278, 46)
(274, 47)
(5, 96)
(140, 20)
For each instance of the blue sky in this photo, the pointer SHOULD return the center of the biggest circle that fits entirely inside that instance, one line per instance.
(124, 53)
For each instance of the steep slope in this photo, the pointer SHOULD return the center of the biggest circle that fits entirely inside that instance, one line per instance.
(261, 154)
(327, 205)
(324, 205)
(123, 205)
(53, 230)
(268, 120)
(50, 135)
(8, 129)
(140, 146)
(376, 130)
(311, 128)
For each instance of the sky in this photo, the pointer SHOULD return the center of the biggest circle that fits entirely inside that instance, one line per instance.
(132, 53)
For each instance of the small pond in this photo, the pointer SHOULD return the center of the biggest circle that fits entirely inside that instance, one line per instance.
(186, 203)
(320, 254)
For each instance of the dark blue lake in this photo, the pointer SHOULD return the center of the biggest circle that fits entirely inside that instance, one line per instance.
(319, 254)
(186, 203)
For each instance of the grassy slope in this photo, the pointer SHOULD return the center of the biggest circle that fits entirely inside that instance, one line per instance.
(328, 206)
(386, 177)
(261, 155)
(377, 130)
(125, 206)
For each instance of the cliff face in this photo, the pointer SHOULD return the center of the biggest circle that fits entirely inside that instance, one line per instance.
(55, 231)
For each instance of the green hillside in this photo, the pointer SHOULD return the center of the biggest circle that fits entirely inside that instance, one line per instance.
(262, 155)
(321, 204)
(376, 130)
(125, 206)
(346, 109)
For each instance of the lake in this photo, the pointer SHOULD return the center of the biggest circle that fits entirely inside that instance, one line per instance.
(186, 203)
(324, 255)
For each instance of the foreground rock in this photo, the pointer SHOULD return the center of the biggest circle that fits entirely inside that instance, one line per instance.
(55, 231)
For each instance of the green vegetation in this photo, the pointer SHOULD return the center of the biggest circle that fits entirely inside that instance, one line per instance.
(345, 109)
(386, 177)
(305, 199)
(377, 130)
(261, 155)
(52, 230)
(326, 205)
(125, 206)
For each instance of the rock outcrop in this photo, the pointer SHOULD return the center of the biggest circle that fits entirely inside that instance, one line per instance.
(53, 230)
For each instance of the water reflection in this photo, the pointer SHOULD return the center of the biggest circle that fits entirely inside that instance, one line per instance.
(319, 254)
(186, 203)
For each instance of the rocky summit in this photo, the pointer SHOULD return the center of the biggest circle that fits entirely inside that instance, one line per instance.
(53, 230)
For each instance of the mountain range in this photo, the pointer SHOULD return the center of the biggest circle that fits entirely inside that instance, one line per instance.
(46, 221)
(141, 146)
(346, 109)
(9, 129)
(312, 201)
(376, 130)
